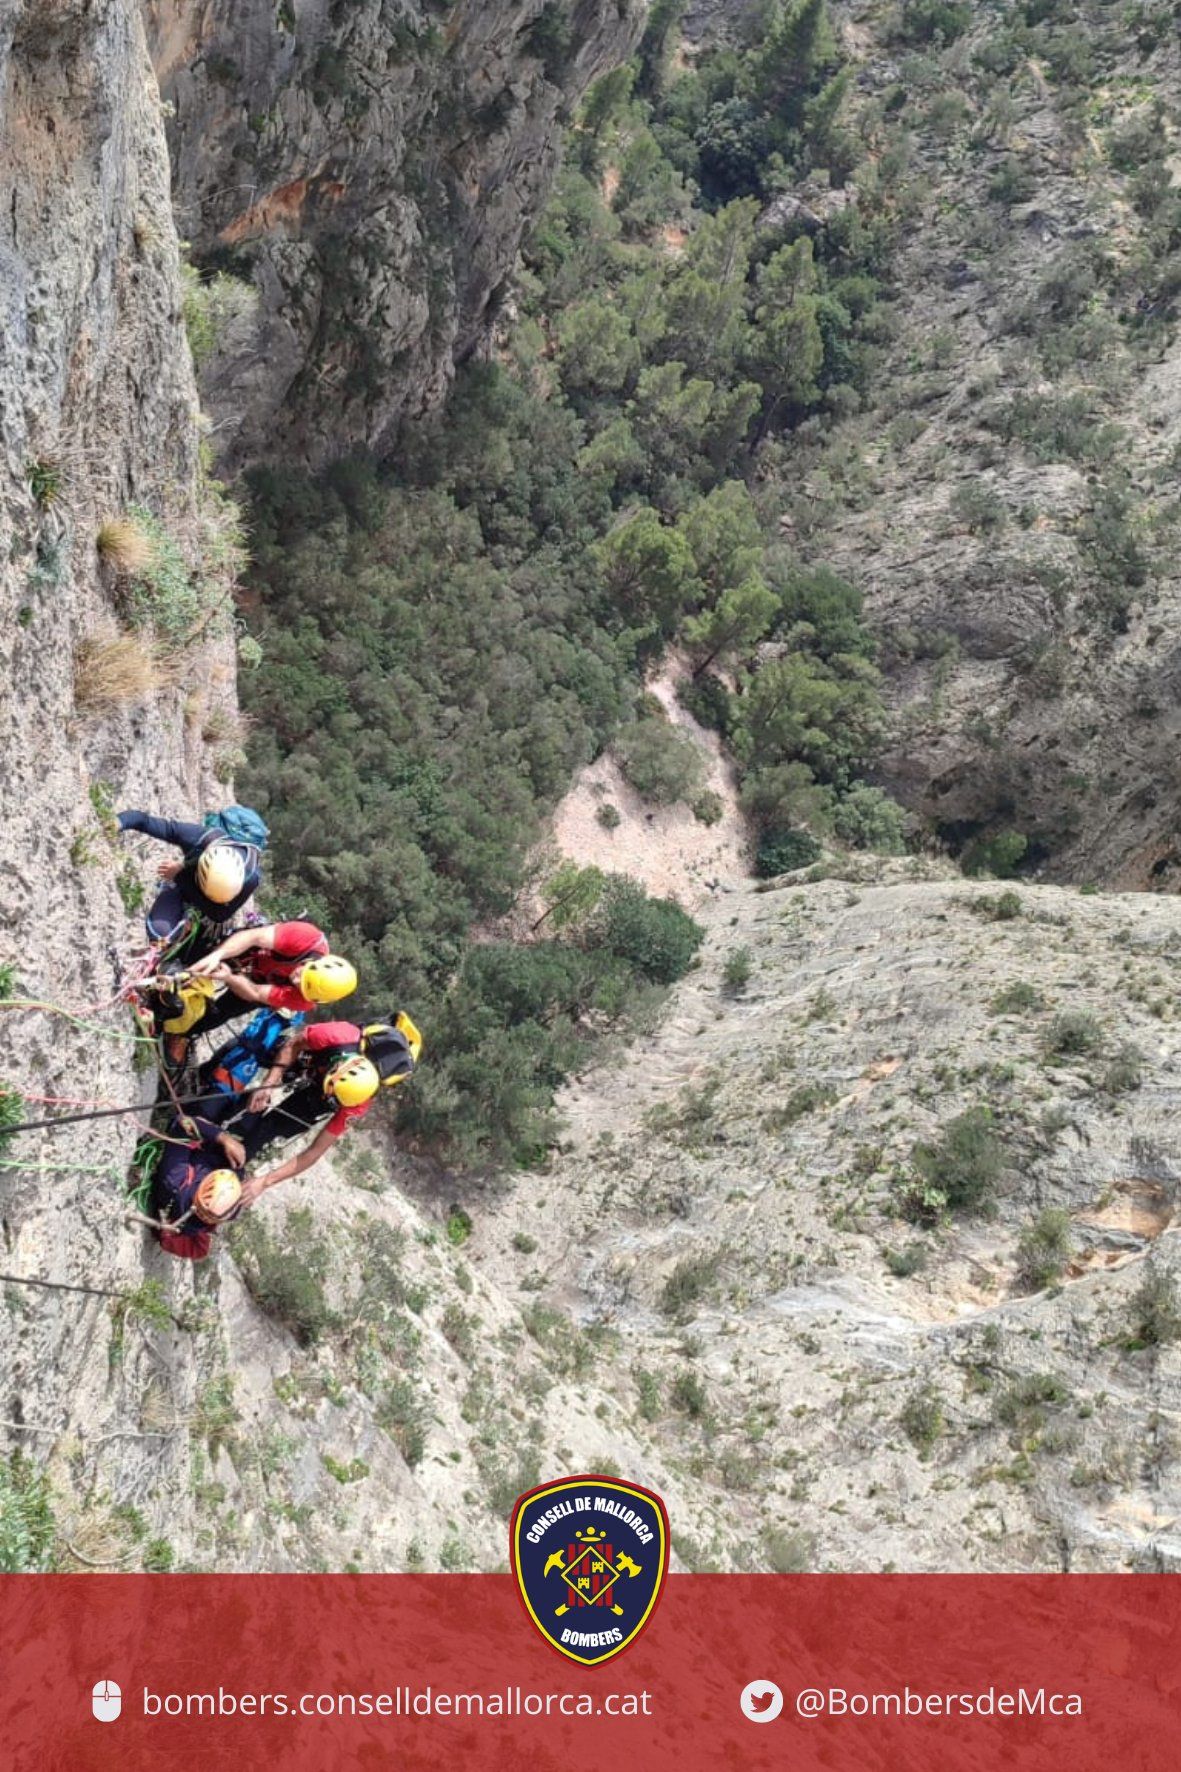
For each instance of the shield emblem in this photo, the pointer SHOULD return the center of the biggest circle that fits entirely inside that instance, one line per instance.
(590, 1555)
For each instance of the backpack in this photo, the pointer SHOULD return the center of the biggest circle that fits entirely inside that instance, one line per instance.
(242, 823)
(393, 1051)
(234, 1068)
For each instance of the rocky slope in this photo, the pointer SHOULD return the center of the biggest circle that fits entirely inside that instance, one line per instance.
(369, 169)
(1007, 500)
(813, 1380)
(715, 1287)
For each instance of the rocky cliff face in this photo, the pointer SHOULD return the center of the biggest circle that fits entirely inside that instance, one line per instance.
(98, 415)
(369, 169)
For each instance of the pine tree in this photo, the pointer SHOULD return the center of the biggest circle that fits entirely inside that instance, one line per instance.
(799, 45)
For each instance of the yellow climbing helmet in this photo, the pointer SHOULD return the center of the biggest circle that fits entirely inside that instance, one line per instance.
(352, 1082)
(326, 979)
(218, 1194)
(221, 872)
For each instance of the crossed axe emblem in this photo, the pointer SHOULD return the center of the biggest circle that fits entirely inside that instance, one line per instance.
(597, 1564)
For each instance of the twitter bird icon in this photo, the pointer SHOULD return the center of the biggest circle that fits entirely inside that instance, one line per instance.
(106, 1700)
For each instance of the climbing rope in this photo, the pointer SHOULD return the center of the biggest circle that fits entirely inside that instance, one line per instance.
(135, 1107)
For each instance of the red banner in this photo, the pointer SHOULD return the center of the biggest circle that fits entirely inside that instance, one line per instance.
(930, 1673)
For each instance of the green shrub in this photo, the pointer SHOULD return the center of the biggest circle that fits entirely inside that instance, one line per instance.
(902, 1263)
(45, 482)
(1156, 1310)
(783, 851)
(27, 1525)
(999, 856)
(1124, 1072)
(708, 808)
(1043, 1248)
(866, 818)
(1017, 999)
(158, 1556)
(737, 970)
(609, 816)
(979, 508)
(550, 38)
(789, 1553)
(1022, 1405)
(933, 21)
(459, 1226)
(165, 594)
(211, 306)
(1004, 907)
(1073, 1034)
(709, 701)
(689, 1395)
(800, 1103)
(284, 1271)
(653, 935)
(403, 1415)
(966, 1162)
(689, 1285)
(661, 763)
(12, 1112)
(923, 1419)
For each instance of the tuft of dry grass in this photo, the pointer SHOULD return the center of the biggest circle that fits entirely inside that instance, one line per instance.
(226, 726)
(125, 546)
(114, 670)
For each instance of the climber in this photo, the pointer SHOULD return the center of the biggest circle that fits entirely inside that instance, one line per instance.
(283, 965)
(339, 1069)
(196, 1186)
(216, 875)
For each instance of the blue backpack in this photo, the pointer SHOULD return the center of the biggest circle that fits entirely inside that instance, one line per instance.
(234, 1068)
(241, 823)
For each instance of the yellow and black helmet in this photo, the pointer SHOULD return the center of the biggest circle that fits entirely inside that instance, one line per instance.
(393, 1047)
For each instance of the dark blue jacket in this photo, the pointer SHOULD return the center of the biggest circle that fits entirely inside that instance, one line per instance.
(193, 838)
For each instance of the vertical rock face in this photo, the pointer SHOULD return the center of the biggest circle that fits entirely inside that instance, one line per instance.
(98, 412)
(369, 168)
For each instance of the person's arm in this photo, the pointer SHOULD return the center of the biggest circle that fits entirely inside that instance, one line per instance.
(176, 831)
(231, 948)
(284, 1058)
(258, 1184)
(240, 986)
(234, 1149)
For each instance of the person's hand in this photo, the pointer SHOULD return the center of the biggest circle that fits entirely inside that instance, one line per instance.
(168, 870)
(261, 1100)
(208, 967)
(250, 1191)
(234, 1149)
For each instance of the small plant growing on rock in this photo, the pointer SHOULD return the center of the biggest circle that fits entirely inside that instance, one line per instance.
(737, 970)
(902, 1263)
(27, 1525)
(922, 1419)
(1124, 1072)
(45, 481)
(1017, 999)
(1003, 907)
(1073, 1034)
(1043, 1248)
(609, 816)
(688, 1285)
(1156, 1311)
